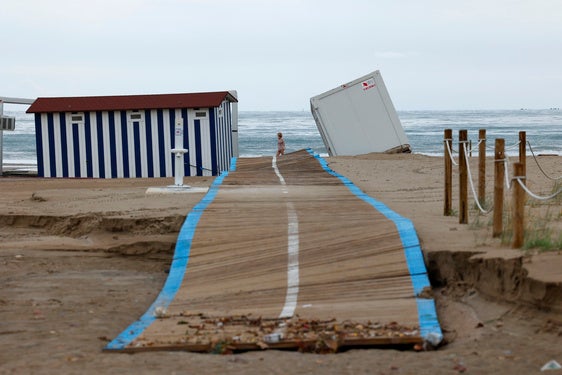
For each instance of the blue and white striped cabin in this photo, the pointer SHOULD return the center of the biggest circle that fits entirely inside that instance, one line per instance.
(132, 136)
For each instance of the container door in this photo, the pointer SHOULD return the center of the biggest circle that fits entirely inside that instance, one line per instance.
(136, 136)
(199, 150)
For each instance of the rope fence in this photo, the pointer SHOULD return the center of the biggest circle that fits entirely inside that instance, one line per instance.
(540, 168)
(476, 198)
(520, 179)
(502, 181)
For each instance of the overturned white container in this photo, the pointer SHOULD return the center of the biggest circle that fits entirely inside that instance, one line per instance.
(358, 118)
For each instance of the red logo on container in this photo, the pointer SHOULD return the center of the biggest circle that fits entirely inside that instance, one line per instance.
(368, 84)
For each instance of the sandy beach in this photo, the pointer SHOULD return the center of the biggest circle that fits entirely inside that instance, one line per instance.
(81, 259)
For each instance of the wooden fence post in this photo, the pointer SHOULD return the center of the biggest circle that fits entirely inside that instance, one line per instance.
(518, 217)
(523, 153)
(463, 178)
(499, 176)
(448, 144)
(482, 166)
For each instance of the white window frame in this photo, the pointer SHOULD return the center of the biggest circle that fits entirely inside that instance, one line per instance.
(135, 115)
(199, 113)
(76, 118)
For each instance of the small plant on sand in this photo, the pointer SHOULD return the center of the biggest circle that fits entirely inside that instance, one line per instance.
(507, 236)
(486, 204)
(477, 223)
(453, 212)
(542, 231)
(542, 240)
(556, 188)
(539, 234)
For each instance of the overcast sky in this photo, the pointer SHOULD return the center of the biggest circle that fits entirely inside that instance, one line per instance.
(432, 54)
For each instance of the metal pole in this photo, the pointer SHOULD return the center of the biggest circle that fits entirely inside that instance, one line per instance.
(179, 151)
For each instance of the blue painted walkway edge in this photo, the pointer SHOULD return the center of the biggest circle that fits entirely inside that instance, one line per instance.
(430, 329)
(177, 269)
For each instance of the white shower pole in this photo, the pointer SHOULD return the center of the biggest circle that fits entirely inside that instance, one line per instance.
(178, 151)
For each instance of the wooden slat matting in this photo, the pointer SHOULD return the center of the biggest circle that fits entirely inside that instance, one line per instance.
(353, 278)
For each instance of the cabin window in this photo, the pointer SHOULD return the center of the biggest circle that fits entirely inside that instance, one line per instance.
(76, 117)
(136, 116)
(201, 114)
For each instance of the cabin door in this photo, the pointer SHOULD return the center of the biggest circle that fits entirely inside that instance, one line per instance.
(199, 154)
(137, 148)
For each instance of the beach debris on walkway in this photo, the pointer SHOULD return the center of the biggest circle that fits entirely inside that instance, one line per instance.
(226, 334)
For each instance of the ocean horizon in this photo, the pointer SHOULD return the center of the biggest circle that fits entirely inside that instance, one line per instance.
(424, 128)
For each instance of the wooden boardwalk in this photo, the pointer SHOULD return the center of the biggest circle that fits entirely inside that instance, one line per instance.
(285, 255)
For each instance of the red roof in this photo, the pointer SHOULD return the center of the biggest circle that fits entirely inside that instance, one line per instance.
(128, 102)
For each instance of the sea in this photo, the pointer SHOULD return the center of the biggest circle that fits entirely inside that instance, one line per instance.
(424, 129)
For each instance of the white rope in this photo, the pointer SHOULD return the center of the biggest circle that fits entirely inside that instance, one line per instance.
(543, 172)
(508, 181)
(490, 148)
(493, 148)
(472, 185)
(450, 152)
(506, 174)
(516, 144)
(453, 151)
(519, 178)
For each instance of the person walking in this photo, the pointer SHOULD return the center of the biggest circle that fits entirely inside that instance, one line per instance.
(280, 144)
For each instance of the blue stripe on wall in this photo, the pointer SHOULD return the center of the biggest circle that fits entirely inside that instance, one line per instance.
(64, 145)
(149, 140)
(39, 145)
(101, 153)
(136, 145)
(88, 136)
(198, 155)
(125, 144)
(228, 129)
(213, 140)
(161, 146)
(172, 136)
(219, 137)
(221, 142)
(227, 148)
(112, 144)
(52, 153)
(227, 134)
(76, 142)
(186, 162)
